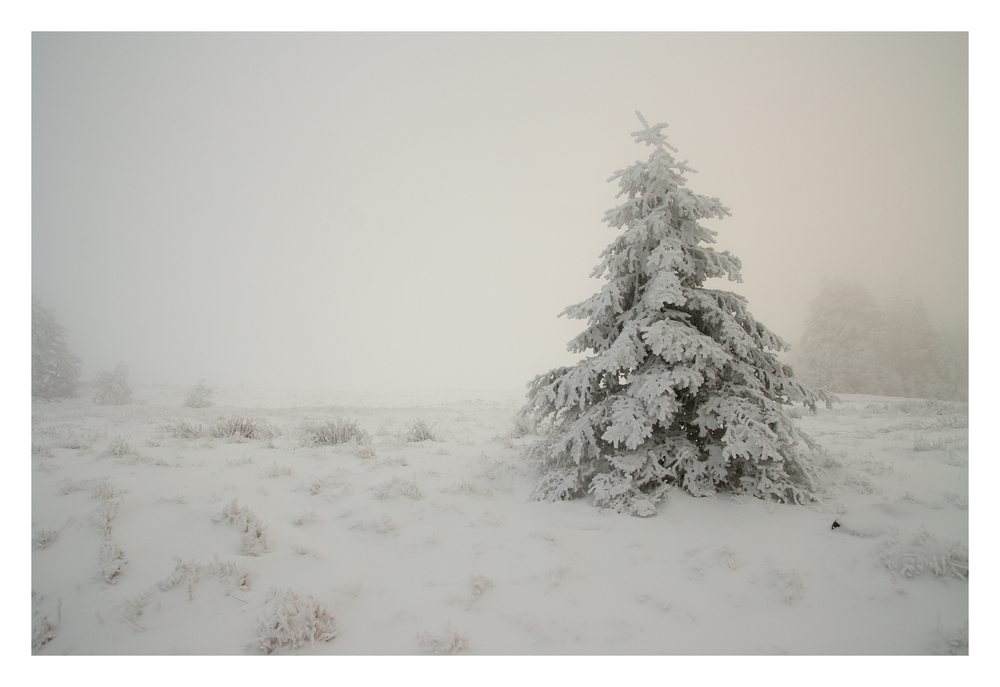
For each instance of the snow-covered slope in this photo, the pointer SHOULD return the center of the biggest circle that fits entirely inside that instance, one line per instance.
(148, 542)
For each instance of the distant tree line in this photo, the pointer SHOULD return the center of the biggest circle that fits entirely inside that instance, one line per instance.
(55, 370)
(856, 344)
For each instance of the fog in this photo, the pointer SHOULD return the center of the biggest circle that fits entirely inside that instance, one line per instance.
(400, 211)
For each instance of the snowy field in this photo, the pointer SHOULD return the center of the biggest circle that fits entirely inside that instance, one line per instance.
(154, 533)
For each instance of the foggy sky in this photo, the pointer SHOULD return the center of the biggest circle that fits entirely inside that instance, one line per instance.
(394, 211)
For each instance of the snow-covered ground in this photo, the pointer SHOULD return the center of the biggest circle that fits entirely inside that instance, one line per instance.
(149, 542)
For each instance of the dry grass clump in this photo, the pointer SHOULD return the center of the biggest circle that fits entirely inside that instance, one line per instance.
(419, 431)
(253, 537)
(243, 427)
(292, 621)
(41, 539)
(185, 430)
(449, 642)
(112, 562)
(276, 470)
(397, 487)
(43, 630)
(924, 444)
(336, 431)
(120, 448)
(521, 427)
(924, 554)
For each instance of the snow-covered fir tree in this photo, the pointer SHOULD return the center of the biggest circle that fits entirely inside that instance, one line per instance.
(683, 386)
(55, 371)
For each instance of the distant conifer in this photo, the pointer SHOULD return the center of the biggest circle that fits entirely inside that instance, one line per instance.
(55, 372)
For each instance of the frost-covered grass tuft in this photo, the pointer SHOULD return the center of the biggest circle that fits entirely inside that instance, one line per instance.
(253, 534)
(228, 572)
(41, 539)
(305, 518)
(480, 583)
(449, 642)
(523, 425)
(382, 525)
(924, 444)
(43, 630)
(120, 448)
(470, 486)
(291, 622)
(334, 432)
(276, 470)
(185, 430)
(112, 562)
(924, 554)
(243, 427)
(419, 431)
(398, 487)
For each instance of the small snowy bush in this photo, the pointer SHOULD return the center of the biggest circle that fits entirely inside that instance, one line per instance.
(291, 622)
(200, 397)
(113, 387)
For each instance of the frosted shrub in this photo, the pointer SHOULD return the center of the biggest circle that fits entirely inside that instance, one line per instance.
(291, 622)
(200, 396)
(113, 387)
(683, 386)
